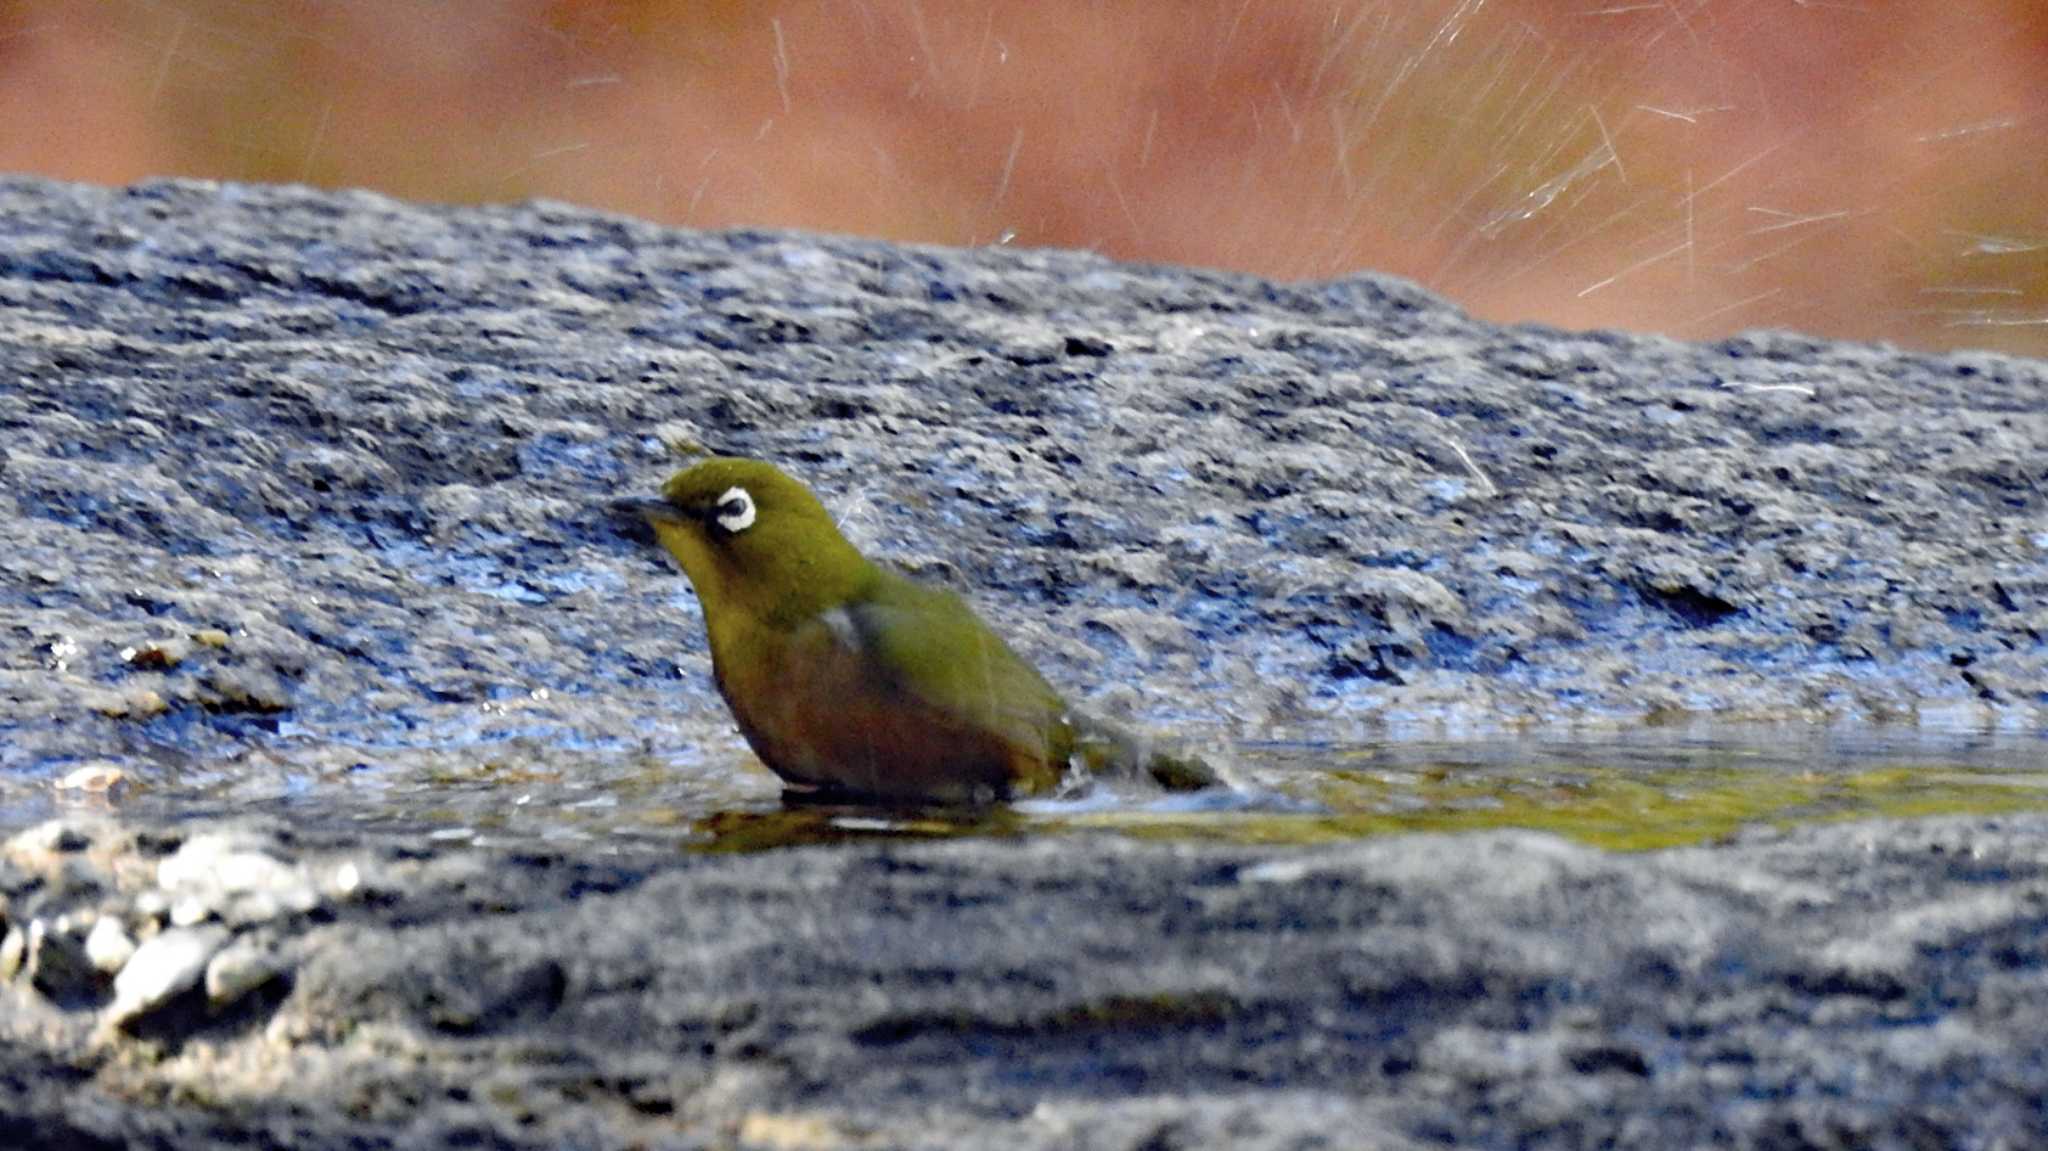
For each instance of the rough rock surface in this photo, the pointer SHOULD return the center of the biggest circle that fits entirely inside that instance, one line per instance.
(1842, 986)
(303, 496)
(335, 465)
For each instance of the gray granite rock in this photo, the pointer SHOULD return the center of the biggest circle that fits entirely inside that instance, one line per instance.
(283, 460)
(297, 480)
(1504, 989)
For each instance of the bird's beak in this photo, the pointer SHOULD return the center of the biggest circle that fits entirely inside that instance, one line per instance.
(675, 529)
(637, 513)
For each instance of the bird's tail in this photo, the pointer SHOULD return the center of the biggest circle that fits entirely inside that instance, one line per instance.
(1110, 750)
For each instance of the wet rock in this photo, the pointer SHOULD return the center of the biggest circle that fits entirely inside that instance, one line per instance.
(243, 690)
(94, 779)
(164, 967)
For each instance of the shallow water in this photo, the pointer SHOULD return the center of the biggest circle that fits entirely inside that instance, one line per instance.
(1644, 789)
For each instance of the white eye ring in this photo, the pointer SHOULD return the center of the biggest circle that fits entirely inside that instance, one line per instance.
(736, 510)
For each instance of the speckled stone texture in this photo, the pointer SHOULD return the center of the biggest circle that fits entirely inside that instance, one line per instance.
(1866, 986)
(291, 477)
(364, 446)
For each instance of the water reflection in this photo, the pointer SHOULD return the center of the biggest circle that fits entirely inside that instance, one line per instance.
(806, 824)
(1624, 791)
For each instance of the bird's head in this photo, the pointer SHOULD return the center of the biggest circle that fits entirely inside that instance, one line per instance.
(753, 539)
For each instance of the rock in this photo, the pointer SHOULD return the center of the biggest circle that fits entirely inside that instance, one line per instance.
(243, 690)
(13, 952)
(52, 837)
(232, 876)
(1313, 507)
(189, 909)
(346, 881)
(368, 441)
(58, 965)
(130, 703)
(108, 946)
(781, 1132)
(1440, 988)
(153, 905)
(96, 779)
(165, 966)
(240, 968)
(157, 655)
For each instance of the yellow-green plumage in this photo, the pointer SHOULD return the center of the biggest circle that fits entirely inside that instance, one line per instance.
(845, 676)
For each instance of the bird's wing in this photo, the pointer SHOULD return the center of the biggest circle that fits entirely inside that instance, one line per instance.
(928, 645)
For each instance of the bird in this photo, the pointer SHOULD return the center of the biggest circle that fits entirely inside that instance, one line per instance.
(851, 681)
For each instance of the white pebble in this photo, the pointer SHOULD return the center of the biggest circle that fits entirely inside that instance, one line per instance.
(107, 945)
(238, 970)
(162, 968)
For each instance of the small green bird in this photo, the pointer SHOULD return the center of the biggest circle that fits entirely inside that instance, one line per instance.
(850, 680)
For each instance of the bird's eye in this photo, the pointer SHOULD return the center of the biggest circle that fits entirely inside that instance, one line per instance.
(735, 510)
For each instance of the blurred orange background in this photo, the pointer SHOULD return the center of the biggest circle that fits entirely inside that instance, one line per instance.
(1860, 168)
